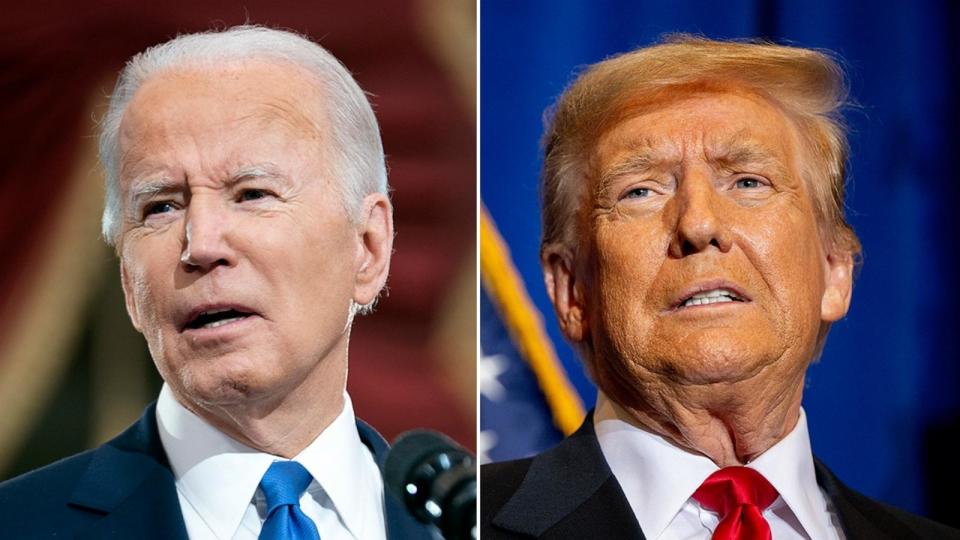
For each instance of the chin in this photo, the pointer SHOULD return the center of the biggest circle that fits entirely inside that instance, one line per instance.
(217, 385)
(709, 359)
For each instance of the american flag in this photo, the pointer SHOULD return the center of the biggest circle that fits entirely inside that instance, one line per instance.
(526, 402)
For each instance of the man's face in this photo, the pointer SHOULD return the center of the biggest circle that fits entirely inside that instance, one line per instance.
(700, 259)
(238, 259)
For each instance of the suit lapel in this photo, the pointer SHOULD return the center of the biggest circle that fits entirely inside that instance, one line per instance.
(860, 517)
(129, 482)
(569, 492)
(400, 524)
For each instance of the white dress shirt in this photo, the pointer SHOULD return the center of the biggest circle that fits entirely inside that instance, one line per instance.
(218, 478)
(659, 478)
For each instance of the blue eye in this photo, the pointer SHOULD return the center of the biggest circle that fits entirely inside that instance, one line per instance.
(637, 193)
(159, 207)
(748, 183)
(252, 195)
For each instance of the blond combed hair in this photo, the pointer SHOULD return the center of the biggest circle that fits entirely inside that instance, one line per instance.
(807, 85)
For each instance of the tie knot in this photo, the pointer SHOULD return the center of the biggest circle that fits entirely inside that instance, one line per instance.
(733, 487)
(284, 483)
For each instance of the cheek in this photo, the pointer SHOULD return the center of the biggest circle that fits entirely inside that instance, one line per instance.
(311, 269)
(628, 261)
(148, 291)
(786, 251)
(142, 284)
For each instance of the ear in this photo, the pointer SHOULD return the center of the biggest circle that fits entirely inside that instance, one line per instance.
(566, 292)
(374, 247)
(838, 272)
(128, 296)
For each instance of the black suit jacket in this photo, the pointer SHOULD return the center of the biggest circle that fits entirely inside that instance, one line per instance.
(569, 492)
(125, 489)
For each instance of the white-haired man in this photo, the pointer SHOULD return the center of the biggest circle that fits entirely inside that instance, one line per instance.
(247, 201)
(696, 255)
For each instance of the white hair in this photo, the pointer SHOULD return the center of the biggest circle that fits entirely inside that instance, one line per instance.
(357, 149)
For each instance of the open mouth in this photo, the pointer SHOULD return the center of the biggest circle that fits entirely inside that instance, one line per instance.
(713, 296)
(214, 318)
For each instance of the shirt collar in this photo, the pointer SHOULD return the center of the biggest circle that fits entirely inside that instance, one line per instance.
(658, 477)
(788, 466)
(219, 476)
(339, 462)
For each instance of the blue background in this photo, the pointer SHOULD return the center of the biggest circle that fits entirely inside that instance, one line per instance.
(883, 401)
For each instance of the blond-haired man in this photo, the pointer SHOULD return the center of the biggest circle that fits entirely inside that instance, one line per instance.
(696, 254)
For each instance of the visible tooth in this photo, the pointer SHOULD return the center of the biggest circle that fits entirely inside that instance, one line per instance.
(699, 301)
(715, 293)
(708, 294)
(221, 322)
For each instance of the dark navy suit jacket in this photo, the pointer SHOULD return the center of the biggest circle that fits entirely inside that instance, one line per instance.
(569, 492)
(125, 489)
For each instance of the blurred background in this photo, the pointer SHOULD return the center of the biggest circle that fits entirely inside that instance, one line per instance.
(73, 373)
(884, 401)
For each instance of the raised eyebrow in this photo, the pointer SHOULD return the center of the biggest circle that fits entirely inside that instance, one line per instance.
(254, 172)
(747, 153)
(142, 189)
(636, 163)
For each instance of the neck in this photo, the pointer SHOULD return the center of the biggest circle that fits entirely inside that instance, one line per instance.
(284, 421)
(730, 423)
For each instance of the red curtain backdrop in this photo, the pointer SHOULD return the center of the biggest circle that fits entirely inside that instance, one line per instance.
(55, 55)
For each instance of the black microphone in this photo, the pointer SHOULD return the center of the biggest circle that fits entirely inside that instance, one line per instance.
(437, 481)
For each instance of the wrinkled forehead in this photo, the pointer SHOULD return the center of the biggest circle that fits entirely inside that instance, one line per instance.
(720, 127)
(723, 128)
(216, 99)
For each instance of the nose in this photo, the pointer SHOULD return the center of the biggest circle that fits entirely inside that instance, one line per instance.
(699, 222)
(205, 241)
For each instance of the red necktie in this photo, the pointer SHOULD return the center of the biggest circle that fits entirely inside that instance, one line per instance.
(739, 495)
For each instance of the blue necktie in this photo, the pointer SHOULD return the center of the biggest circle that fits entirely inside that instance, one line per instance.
(283, 484)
